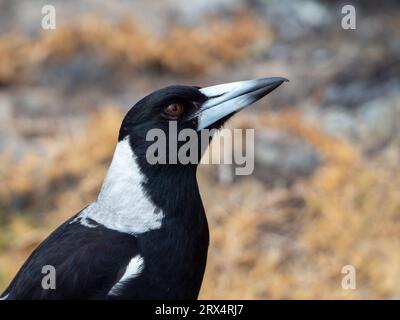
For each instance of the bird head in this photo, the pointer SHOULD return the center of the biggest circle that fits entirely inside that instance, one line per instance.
(190, 107)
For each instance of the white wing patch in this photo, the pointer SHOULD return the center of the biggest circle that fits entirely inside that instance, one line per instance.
(133, 270)
(5, 297)
(122, 204)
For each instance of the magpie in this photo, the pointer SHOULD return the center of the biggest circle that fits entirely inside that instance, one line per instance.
(146, 236)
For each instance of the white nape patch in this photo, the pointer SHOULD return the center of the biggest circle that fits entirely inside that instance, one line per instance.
(133, 270)
(122, 204)
(5, 297)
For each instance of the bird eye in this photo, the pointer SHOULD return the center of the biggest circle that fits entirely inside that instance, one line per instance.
(174, 109)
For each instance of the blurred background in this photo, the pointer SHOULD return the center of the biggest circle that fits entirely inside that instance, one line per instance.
(325, 192)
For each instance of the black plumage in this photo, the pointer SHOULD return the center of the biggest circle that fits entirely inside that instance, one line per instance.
(100, 253)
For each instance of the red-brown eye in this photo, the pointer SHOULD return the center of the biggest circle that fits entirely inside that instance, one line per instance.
(174, 109)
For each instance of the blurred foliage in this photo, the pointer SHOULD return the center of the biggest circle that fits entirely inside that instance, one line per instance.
(183, 50)
(292, 243)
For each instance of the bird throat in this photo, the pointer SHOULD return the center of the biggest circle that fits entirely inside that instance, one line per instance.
(123, 204)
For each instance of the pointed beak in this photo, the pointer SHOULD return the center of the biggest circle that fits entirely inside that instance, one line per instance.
(226, 99)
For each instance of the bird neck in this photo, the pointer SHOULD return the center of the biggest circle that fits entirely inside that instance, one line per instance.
(122, 177)
(137, 197)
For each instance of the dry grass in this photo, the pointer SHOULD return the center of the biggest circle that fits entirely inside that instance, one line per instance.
(293, 243)
(181, 50)
(279, 243)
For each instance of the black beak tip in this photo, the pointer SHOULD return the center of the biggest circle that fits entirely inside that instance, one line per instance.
(282, 80)
(272, 82)
(279, 80)
(276, 82)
